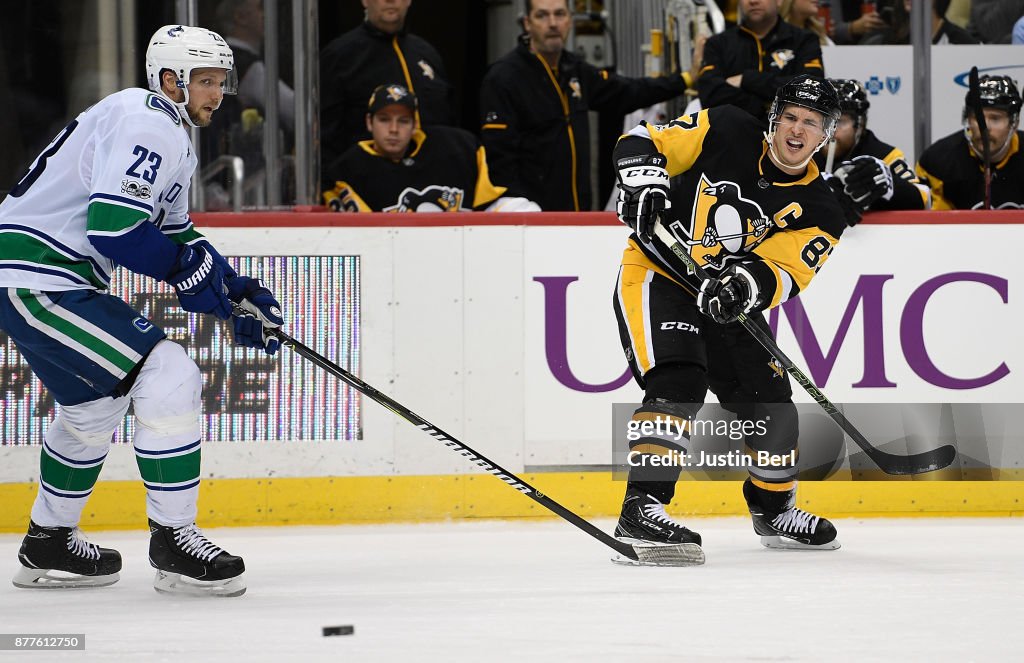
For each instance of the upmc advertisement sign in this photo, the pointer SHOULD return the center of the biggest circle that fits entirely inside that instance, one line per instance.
(900, 313)
(502, 333)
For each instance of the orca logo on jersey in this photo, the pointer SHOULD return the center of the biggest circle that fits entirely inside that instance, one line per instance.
(136, 189)
(723, 222)
(160, 104)
(431, 199)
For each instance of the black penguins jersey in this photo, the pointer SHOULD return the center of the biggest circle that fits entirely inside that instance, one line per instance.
(908, 190)
(957, 177)
(730, 203)
(443, 171)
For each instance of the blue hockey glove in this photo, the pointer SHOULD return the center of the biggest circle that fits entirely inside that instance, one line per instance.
(199, 282)
(263, 314)
(725, 298)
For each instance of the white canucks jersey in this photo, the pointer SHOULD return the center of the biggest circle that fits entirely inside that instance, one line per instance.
(128, 151)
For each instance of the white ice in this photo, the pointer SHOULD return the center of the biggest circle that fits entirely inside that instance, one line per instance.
(918, 589)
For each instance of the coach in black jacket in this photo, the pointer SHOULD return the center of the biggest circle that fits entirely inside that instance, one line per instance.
(746, 65)
(378, 51)
(534, 103)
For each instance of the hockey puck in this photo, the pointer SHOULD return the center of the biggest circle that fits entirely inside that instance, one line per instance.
(339, 630)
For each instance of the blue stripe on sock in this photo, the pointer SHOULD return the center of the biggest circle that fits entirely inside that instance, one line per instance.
(147, 452)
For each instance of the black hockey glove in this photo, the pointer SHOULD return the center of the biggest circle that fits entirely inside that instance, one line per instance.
(199, 281)
(643, 192)
(851, 210)
(263, 314)
(725, 298)
(866, 180)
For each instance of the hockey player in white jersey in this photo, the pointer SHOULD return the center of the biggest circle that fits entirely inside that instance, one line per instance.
(112, 189)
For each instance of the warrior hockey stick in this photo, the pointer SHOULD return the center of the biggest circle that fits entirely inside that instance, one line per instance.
(926, 461)
(683, 554)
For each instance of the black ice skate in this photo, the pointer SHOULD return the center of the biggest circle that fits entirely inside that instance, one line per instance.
(782, 525)
(61, 558)
(186, 562)
(643, 523)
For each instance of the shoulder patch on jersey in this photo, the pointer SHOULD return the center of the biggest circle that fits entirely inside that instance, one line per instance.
(158, 103)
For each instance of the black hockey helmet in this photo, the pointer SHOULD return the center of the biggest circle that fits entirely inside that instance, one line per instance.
(809, 92)
(997, 92)
(853, 98)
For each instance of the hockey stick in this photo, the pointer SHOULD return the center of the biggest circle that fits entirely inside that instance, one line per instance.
(683, 554)
(979, 116)
(926, 461)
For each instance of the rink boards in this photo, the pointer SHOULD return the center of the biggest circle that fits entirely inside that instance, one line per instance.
(502, 334)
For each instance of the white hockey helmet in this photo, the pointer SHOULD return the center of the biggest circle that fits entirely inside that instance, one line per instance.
(182, 48)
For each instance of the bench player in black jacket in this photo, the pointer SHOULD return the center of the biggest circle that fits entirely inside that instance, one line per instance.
(404, 168)
(954, 166)
(758, 217)
(875, 175)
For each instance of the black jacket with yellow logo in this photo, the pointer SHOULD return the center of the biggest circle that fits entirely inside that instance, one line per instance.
(957, 177)
(535, 124)
(766, 64)
(444, 170)
(731, 204)
(355, 63)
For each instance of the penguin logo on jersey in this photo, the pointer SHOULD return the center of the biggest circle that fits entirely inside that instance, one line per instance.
(574, 85)
(427, 70)
(431, 199)
(724, 222)
(782, 57)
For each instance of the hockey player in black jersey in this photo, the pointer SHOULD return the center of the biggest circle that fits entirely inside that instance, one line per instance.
(874, 174)
(404, 168)
(954, 165)
(758, 217)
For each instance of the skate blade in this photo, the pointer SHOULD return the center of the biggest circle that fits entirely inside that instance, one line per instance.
(660, 554)
(27, 578)
(782, 543)
(179, 585)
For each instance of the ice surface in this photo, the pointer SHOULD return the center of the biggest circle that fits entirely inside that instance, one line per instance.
(917, 589)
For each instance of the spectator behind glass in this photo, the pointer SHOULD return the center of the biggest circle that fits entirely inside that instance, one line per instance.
(1018, 31)
(375, 53)
(534, 102)
(943, 32)
(241, 22)
(853, 20)
(400, 169)
(746, 65)
(804, 14)
(953, 166)
(992, 21)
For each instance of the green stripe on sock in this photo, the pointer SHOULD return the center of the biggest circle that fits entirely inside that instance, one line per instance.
(36, 309)
(104, 217)
(175, 469)
(56, 473)
(20, 246)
